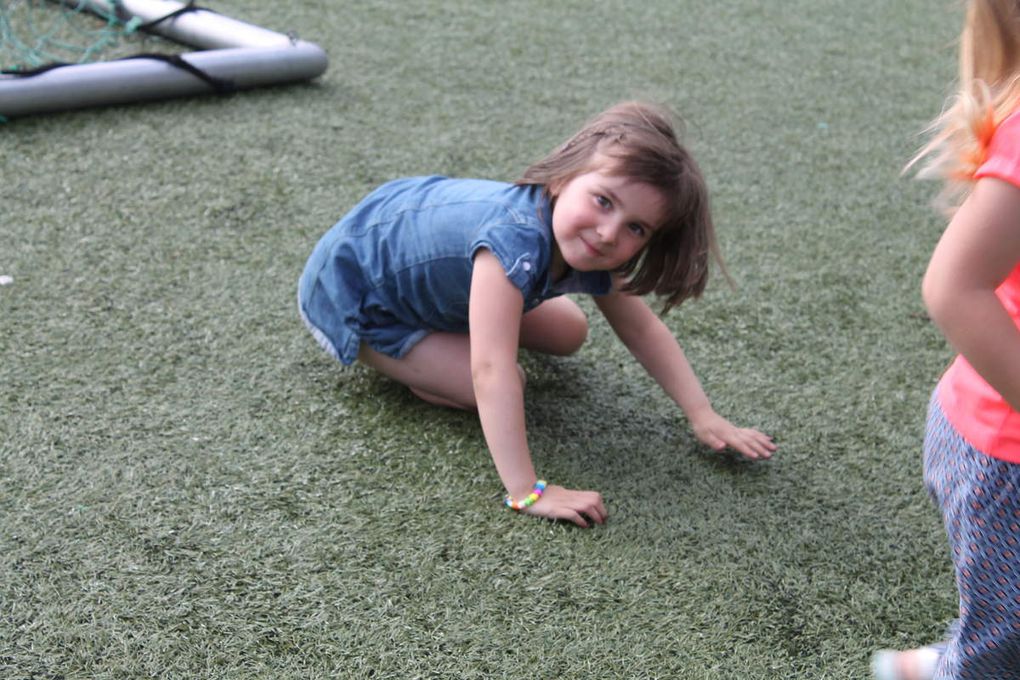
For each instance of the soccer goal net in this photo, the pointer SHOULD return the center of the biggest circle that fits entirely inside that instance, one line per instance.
(34, 33)
(63, 54)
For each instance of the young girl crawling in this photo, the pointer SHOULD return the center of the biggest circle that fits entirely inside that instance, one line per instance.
(436, 283)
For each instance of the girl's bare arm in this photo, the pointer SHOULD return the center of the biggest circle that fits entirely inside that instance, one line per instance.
(654, 346)
(494, 316)
(978, 250)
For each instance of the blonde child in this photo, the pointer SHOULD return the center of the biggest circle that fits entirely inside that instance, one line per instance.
(437, 282)
(972, 290)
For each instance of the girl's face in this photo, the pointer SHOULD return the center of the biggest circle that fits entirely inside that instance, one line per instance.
(600, 221)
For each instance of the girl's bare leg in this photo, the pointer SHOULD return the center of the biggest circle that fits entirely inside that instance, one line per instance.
(557, 326)
(438, 369)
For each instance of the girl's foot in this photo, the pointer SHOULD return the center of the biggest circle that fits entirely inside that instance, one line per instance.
(912, 664)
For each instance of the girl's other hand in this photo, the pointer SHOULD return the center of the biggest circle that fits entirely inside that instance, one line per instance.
(570, 505)
(718, 433)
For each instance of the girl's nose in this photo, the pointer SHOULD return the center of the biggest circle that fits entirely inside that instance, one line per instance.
(608, 231)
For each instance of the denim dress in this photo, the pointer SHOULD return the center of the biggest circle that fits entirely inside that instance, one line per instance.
(398, 266)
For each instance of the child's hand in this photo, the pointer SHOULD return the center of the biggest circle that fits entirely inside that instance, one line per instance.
(718, 433)
(570, 505)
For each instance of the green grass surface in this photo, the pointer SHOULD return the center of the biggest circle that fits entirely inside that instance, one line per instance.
(190, 487)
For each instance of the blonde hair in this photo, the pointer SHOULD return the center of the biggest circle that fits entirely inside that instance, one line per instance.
(989, 91)
(641, 141)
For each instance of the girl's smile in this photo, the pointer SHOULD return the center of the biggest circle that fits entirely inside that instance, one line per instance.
(595, 252)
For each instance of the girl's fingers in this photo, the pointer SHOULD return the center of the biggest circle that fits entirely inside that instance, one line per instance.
(578, 507)
(595, 509)
(764, 443)
(597, 513)
(568, 515)
(575, 517)
(758, 450)
(590, 508)
(754, 444)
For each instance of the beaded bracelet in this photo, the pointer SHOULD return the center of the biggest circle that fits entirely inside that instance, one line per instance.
(535, 494)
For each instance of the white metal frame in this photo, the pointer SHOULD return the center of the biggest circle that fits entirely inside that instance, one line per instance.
(243, 54)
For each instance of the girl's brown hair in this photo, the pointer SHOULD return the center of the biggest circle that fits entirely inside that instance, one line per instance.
(641, 142)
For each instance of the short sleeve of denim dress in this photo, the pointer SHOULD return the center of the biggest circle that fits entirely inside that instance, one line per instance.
(398, 265)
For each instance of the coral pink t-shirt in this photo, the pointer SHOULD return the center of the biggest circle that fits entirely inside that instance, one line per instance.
(974, 408)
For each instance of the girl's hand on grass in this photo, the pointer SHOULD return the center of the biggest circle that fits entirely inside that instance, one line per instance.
(570, 505)
(718, 433)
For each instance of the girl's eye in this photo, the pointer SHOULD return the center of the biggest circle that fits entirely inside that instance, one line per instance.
(636, 229)
(603, 201)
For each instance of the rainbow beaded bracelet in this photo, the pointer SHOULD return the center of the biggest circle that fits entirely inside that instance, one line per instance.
(535, 494)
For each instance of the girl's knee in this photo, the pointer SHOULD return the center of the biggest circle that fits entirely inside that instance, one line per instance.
(557, 326)
(574, 332)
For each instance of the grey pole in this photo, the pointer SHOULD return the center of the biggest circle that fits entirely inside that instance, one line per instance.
(243, 54)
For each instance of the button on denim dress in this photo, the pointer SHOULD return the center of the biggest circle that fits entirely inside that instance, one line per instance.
(398, 266)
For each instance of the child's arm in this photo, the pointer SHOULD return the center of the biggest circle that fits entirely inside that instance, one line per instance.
(978, 250)
(653, 345)
(494, 316)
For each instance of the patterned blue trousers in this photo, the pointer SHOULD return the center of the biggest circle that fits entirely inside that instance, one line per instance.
(979, 497)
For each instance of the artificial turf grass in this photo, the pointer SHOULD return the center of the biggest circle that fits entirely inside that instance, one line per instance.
(190, 487)
(258, 530)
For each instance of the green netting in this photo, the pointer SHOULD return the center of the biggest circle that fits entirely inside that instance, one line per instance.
(34, 33)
